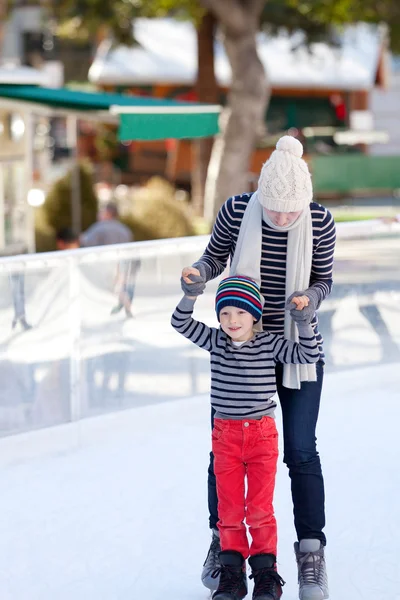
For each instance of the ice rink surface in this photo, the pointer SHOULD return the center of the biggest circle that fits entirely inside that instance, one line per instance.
(114, 507)
(124, 515)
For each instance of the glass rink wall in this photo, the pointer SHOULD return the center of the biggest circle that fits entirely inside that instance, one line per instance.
(70, 349)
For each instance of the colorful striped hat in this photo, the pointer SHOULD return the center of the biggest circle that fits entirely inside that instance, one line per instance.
(241, 292)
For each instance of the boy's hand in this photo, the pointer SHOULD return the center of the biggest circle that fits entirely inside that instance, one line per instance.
(301, 307)
(300, 302)
(193, 281)
(187, 271)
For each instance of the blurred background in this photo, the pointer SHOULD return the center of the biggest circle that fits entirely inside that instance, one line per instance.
(164, 109)
(324, 72)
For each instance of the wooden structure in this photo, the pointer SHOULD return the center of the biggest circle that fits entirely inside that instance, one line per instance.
(314, 90)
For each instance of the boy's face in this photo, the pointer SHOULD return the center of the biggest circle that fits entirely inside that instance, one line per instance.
(237, 323)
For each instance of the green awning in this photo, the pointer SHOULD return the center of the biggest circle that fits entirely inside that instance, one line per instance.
(151, 123)
(141, 118)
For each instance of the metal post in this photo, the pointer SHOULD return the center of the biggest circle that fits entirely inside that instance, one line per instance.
(76, 208)
(2, 215)
(74, 311)
(29, 211)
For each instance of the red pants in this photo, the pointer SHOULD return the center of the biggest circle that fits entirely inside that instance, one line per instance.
(246, 447)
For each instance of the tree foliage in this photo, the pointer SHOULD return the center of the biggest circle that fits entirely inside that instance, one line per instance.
(339, 12)
(87, 17)
(318, 18)
(57, 207)
(315, 17)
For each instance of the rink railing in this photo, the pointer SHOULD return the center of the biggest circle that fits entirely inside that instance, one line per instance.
(68, 357)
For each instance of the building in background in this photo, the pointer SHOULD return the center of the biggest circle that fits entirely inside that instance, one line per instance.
(22, 153)
(315, 89)
(29, 40)
(385, 107)
(337, 99)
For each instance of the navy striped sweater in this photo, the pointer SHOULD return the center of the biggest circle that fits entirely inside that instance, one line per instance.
(243, 377)
(273, 258)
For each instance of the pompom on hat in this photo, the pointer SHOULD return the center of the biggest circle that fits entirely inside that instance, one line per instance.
(285, 181)
(241, 292)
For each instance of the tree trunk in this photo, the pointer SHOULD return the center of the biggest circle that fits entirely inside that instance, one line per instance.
(207, 91)
(244, 114)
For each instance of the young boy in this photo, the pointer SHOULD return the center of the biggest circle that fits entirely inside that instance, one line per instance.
(244, 437)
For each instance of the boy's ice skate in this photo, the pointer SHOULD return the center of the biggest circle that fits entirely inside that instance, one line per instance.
(233, 580)
(212, 563)
(313, 580)
(267, 583)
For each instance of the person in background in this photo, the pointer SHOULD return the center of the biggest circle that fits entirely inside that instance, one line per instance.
(17, 285)
(107, 230)
(67, 239)
(125, 286)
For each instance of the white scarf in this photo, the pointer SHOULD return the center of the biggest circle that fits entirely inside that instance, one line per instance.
(247, 261)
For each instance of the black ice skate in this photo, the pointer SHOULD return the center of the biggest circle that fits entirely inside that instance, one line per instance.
(233, 581)
(267, 583)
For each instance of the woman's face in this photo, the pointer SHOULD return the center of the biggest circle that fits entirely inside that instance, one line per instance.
(282, 219)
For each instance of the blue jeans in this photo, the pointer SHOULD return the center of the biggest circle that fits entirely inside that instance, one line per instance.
(300, 410)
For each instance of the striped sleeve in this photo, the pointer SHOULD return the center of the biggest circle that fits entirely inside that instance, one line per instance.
(322, 262)
(215, 257)
(193, 330)
(306, 351)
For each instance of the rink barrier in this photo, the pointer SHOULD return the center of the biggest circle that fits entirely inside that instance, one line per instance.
(78, 361)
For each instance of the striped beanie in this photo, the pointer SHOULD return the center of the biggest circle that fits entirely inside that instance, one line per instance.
(241, 292)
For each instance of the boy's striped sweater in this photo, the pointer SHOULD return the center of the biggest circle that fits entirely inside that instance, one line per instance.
(273, 258)
(243, 378)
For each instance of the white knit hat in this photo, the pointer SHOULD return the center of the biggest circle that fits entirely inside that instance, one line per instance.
(285, 181)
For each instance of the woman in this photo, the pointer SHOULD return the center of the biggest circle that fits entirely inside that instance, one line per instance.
(283, 240)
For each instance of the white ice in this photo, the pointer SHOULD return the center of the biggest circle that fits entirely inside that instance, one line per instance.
(123, 514)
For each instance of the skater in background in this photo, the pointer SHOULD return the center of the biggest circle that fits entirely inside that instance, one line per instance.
(17, 285)
(125, 282)
(67, 239)
(244, 437)
(107, 230)
(284, 240)
(110, 230)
